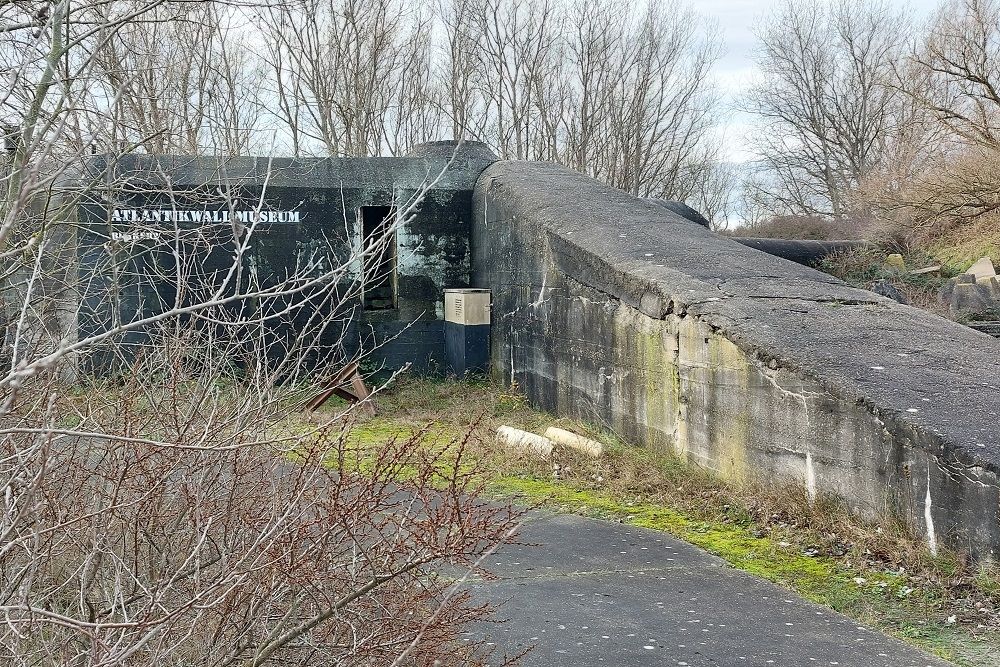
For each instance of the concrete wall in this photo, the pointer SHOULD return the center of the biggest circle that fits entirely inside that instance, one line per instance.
(326, 195)
(612, 309)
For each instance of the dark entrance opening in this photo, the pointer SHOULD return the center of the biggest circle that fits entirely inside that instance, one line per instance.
(378, 240)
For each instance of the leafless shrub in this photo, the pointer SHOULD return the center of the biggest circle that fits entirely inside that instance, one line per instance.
(814, 227)
(175, 523)
(175, 512)
(956, 64)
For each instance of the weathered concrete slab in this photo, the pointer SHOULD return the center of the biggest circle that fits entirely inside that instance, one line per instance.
(610, 308)
(594, 592)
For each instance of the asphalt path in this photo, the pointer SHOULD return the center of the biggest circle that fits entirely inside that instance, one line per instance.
(590, 592)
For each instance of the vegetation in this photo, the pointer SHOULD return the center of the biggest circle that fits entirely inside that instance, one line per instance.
(171, 519)
(810, 227)
(865, 266)
(873, 571)
(870, 120)
(171, 516)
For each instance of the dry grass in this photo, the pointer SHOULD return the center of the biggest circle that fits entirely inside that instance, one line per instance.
(808, 227)
(873, 571)
(963, 244)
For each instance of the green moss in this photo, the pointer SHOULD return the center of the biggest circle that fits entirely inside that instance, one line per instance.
(647, 488)
(876, 598)
(435, 443)
(377, 431)
(815, 578)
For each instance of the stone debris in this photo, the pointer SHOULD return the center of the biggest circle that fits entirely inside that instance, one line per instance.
(974, 294)
(971, 299)
(983, 268)
(885, 288)
(523, 441)
(573, 441)
(936, 269)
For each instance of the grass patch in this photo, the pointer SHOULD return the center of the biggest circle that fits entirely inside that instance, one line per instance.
(872, 571)
(964, 244)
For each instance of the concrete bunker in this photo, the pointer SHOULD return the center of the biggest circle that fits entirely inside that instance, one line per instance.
(615, 310)
(604, 306)
(145, 218)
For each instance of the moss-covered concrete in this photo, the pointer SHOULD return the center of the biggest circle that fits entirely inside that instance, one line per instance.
(611, 309)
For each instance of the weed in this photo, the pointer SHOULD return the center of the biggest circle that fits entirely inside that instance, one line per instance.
(873, 571)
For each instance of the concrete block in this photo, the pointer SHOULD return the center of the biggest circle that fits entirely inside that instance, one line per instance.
(887, 289)
(927, 270)
(895, 261)
(972, 299)
(993, 284)
(983, 268)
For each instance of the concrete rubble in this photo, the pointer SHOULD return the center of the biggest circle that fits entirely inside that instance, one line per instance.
(975, 294)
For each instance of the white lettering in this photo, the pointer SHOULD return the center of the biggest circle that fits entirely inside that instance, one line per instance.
(202, 215)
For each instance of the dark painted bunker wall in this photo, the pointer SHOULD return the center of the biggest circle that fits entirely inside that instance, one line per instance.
(311, 210)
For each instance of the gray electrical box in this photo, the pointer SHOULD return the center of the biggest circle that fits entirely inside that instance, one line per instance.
(467, 330)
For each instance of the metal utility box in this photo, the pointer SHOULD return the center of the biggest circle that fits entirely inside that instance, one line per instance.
(467, 330)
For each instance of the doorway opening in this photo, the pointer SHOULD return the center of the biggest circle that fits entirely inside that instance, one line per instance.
(378, 242)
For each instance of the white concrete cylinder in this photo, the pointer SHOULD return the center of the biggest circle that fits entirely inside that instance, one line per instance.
(574, 441)
(523, 441)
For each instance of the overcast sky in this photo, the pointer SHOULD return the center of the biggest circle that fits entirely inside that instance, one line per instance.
(735, 70)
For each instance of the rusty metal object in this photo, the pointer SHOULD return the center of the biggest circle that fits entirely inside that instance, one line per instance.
(348, 384)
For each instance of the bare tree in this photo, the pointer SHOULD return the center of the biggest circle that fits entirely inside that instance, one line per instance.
(171, 513)
(177, 83)
(955, 79)
(828, 99)
(618, 92)
(961, 54)
(350, 77)
(513, 52)
(458, 72)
